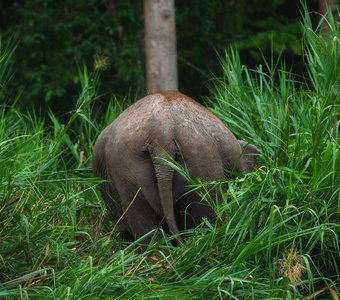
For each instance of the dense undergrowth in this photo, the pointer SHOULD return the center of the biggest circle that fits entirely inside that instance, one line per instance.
(278, 230)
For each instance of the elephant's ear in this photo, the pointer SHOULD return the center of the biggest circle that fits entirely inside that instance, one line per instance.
(249, 156)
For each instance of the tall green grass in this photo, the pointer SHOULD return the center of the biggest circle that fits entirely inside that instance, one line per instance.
(277, 235)
(292, 202)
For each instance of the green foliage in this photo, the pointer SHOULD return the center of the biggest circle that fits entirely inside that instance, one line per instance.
(55, 36)
(107, 35)
(277, 235)
(6, 52)
(258, 28)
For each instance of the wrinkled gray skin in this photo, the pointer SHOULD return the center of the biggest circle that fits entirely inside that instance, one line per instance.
(130, 153)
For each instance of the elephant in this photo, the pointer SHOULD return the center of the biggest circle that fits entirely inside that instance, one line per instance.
(141, 189)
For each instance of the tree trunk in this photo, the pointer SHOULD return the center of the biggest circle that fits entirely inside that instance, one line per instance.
(323, 6)
(160, 45)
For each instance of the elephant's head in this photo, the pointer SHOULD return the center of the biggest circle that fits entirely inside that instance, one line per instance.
(249, 156)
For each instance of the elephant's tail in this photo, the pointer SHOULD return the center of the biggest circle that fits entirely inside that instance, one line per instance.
(164, 176)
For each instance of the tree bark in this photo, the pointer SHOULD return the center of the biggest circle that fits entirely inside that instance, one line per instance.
(324, 5)
(160, 45)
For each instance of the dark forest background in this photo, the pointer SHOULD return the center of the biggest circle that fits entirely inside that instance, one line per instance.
(56, 38)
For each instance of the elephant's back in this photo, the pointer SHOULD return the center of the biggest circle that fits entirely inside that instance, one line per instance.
(168, 109)
(170, 114)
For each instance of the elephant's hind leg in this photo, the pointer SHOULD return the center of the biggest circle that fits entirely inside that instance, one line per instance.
(139, 215)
